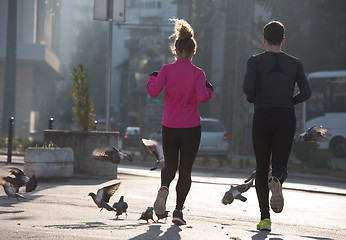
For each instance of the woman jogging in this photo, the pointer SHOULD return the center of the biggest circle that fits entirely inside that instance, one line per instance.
(185, 85)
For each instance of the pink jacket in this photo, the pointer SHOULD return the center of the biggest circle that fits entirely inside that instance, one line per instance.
(184, 87)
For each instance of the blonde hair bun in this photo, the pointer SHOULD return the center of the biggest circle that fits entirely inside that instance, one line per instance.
(184, 37)
(182, 29)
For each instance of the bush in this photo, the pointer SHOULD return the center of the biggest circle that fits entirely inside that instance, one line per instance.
(311, 156)
(84, 106)
(17, 143)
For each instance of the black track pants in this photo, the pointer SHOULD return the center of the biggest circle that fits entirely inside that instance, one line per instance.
(186, 142)
(272, 132)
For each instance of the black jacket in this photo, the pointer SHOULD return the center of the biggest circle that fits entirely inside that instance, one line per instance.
(270, 81)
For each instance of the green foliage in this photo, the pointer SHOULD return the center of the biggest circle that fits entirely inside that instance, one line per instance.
(18, 144)
(311, 156)
(84, 107)
(49, 145)
(319, 22)
(92, 53)
(202, 22)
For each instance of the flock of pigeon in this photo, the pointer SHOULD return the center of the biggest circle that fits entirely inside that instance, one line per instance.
(101, 199)
(103, 195)
(17, 179)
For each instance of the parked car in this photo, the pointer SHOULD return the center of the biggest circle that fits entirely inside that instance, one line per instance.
(132, 138)
(121, 128)
(214, 139)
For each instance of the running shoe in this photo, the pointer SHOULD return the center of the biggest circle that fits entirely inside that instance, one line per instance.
(277, 198)
(178, 217)
(160, 202)
(265, 224)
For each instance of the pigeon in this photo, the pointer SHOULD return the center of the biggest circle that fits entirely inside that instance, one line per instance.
(11, 186)
(235, 193)
(313, 134)
(252, 176)
(162, 216)
(147, 214)
(155, 148)
(110, 154)
(30, 183)
(103, 196)
(16, 180)
(120, 207)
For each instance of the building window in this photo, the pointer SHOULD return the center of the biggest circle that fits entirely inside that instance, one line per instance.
(151, 4)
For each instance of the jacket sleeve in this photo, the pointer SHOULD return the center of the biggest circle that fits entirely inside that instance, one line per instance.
(249, 83)
(204, 94)
(303, 85)
(156, 84)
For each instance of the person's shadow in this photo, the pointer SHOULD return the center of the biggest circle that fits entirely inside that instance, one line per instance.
(172, 233)
(261, 235)
(154, 231)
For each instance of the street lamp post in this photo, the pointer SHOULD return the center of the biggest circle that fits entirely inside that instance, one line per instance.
(109, 10)
(109, 61)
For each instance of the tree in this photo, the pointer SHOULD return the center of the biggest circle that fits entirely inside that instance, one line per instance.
(315, 32)
(92, 53)
(202, 21)
(84, 107)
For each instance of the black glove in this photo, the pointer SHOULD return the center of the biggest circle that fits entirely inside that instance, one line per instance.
(208, 85)
(250, 98)
(155, 73)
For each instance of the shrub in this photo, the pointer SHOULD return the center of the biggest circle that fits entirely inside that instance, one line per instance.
(18, 144)
(84, 107)
(311, 156)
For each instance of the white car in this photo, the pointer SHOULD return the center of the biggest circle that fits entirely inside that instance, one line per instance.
(132, 138)
(214, 139)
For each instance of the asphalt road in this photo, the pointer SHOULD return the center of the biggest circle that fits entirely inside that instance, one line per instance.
(61, 209)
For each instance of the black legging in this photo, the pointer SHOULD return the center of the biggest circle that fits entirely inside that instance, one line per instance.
(272, 132)
(186, 141)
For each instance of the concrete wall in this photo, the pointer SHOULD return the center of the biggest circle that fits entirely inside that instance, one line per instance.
(83, 143)
(48, 162)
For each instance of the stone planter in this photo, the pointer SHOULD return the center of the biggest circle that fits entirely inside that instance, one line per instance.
(49, 162)
(83, 143)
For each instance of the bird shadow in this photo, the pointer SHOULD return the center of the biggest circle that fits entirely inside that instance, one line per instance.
(10, 212)
(119, 218)
(261, 235)
(11, 202)
(154, 232)
(82, 225)
(91, 225)
(12, 215)
(14, 218)
(317, 238)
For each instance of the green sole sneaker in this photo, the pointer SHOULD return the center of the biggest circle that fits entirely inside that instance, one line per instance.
(265, 225)
(277, 198)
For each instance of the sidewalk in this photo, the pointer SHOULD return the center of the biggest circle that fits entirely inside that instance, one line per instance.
(299, 182)
(62, 209)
